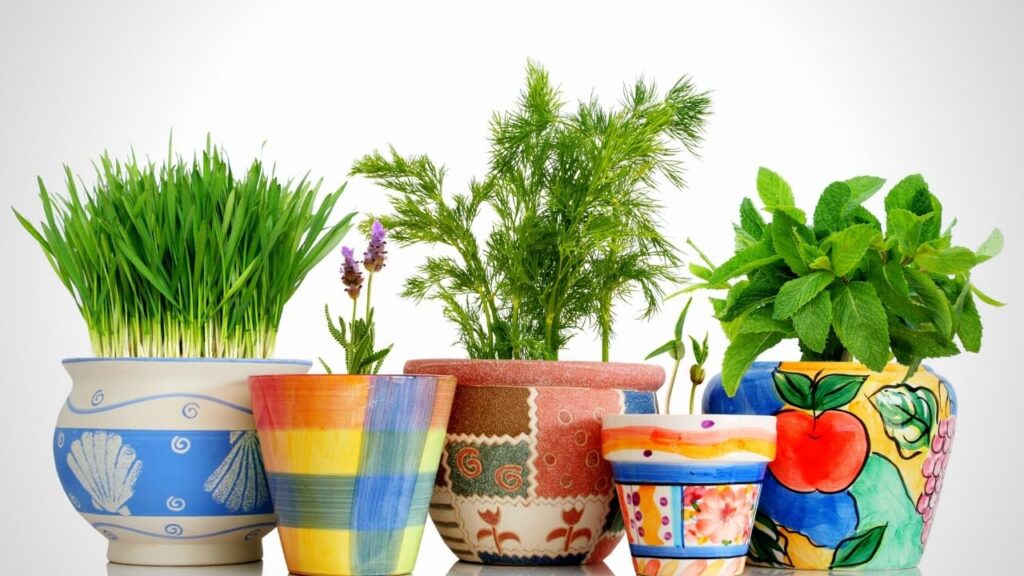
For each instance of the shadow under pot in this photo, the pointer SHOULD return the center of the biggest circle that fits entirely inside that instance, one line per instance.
(861, 462)
(522, 480)
(689, 488)
(351, 461)
(160, 455)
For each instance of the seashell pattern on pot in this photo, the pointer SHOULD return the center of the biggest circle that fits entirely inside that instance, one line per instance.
(162, 458)
(107, 469)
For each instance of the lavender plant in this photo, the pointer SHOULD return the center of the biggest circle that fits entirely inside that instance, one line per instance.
(575, 227)
(357, 337)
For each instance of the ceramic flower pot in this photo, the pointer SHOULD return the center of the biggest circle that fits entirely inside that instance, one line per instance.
(473, 569)
(688, 487)
(521, 479)
(161, 457)
(351, 461)
(860, 464)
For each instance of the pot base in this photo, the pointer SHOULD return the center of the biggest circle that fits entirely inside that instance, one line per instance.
(687, 567)
(184, 555)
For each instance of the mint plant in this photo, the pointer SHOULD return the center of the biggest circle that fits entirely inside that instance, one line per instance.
(845, 285)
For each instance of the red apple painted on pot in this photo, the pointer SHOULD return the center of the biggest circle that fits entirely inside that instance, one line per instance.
(824, 454)
(824, 449)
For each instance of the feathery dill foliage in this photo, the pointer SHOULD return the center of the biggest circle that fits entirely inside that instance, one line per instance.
(185, 259)
(575, 226)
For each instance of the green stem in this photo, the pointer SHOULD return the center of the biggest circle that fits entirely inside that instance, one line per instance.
(352, 338)
(846, 356)
(369, 287)
(671, 386)
(693, 395)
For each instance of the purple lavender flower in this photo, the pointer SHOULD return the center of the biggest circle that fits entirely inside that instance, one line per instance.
(376, 253)
(351, 277)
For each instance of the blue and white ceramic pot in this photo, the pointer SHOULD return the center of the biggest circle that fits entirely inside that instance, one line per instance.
(161, 456)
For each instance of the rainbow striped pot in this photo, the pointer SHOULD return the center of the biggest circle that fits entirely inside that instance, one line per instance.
(688, 487)
(351, 462)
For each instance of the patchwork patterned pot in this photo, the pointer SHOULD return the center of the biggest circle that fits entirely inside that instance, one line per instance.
(351, 462)
(161, 456)
(521, 479)
(688, 487)
(860, 465)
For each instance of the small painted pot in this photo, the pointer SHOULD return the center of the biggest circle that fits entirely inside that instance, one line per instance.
(862, 457)
(688, 487)
(161, 456)
(351, 461)
(521, 479)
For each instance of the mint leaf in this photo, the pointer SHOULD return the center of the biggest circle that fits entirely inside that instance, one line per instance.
(830, 213)
(787, 237)
(991, 247)
(949, 261)
(862, 188)
(969, 328)
(892, 288)
(794, 388)
(797, 292)
(747, 295)
(813, 322)
(905, 230)
(700, 272)
(860, 323)
(741, 353)
(750, 219)
(861, 215)
(933, 298)
(752, 258)
(911, 345)
(774, 191)
(986, 298)
(761, 320)
(848, 247)
(902, 194)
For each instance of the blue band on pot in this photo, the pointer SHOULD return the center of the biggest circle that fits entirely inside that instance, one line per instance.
(673, 474)
(640, 551)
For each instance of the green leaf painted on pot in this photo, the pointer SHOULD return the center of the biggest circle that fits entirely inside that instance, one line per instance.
(768, 545)
(883, 499)
(794, 388)
(908, 414)
(858, 549)
(835, 390)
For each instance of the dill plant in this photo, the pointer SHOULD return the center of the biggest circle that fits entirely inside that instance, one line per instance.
(569, 200)
(185, 259)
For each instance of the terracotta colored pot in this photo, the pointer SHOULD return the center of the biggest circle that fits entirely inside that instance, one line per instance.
(688, 487)
(522, 480)
(351, 461)
(861, 459)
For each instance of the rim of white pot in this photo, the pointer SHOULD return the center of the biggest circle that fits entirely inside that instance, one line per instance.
(685, 422)
(186, 360)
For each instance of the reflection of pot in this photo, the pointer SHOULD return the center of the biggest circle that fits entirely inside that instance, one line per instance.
(521, 479)
(688, 487)
(247, 569)
(755, 571)
(860, 464)
(161, 456)
(473, 569)
(351, 461)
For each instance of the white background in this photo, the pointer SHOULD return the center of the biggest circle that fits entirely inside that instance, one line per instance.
(818, 91)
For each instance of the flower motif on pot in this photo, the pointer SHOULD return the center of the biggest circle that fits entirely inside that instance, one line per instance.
(571, 517)
(718, 515)
(861, 459)
(493, 519)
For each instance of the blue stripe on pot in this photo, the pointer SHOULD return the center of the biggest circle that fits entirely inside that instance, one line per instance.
(395, 404)
(749, 399)
(162, 472)
(679, 474)
(640, 551)
(327, 502)
(635, 402)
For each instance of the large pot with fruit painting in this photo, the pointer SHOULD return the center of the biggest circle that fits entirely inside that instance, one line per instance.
(860, 462)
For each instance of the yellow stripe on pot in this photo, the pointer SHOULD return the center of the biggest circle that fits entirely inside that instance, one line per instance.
(334, 452)
(316, 551)
(432, 450)
(410, 547)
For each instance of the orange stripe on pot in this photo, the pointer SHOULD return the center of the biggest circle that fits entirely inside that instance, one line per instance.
(639, 438)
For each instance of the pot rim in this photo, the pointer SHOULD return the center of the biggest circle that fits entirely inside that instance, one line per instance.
(834, 365)
(265, 379)
(184, 360)
(545, 373)
(691, 421)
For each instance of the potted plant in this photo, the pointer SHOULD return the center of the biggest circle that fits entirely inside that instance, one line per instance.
(862, 443)
(574, 231)
(688, 485)
(181, 273)
(351, 458)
